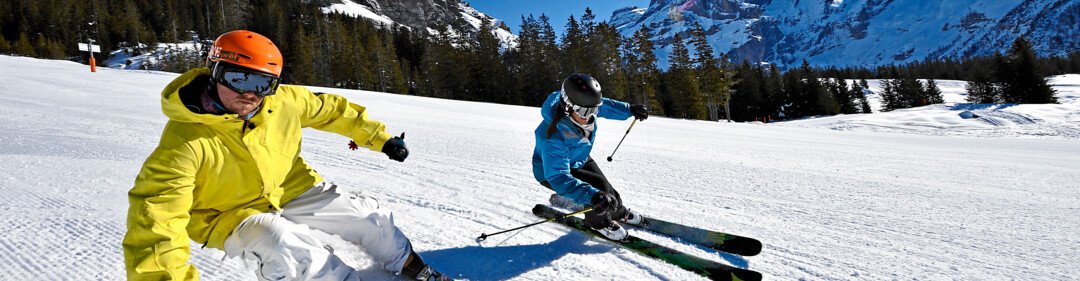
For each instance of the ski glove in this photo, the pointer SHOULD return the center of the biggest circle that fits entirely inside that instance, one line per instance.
(395, 148)
(639, 111)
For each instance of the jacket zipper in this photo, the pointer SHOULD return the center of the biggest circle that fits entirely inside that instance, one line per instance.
(244, 128)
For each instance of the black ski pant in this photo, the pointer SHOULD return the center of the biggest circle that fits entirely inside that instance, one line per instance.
(590, 173)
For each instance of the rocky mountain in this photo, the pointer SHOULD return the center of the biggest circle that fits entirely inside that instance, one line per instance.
(428, 16)
(859, 32)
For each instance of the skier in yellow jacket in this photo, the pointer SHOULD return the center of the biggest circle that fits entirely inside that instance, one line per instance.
(227, 173)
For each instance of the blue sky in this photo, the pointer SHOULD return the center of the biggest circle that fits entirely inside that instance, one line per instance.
(559, 11)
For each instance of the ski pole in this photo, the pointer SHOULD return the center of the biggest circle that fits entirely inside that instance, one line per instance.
(484, 236)
(623, 138)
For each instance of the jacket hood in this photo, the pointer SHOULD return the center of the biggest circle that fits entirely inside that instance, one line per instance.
(174, 107)
(548, 108)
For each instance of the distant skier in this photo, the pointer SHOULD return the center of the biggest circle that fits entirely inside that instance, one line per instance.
(227, 174)
(564, 138)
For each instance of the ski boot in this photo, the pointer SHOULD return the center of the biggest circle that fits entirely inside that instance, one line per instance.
(633, 218)
(417, 269)
(614, 232)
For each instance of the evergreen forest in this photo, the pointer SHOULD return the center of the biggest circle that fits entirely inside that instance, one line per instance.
(337, 50)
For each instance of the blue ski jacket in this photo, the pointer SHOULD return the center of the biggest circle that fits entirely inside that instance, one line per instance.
(568, 148)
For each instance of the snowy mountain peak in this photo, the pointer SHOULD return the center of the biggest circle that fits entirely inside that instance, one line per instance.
(626, 16)
(860, 32)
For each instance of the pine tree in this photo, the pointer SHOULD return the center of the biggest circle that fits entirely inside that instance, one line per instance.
(23, 47)
(1074, 62)
(49, 49)
(827, 101)
(591, 53)
(791, 95)
(643, 72)
(605, 42)
(573, 48)
(933, 93)
(715, 80)
(529, 64)
(434, 81)
(910, 92)
(487, 68)
(983, 91)
(1027, 85)
(1002, 75)
(745, 101)
(890, 98)
(845, 97)
(686, 99)
(859, 93)
(4, 45)
(345, 53)
(772, 92)
(300, 58)
(811, 99)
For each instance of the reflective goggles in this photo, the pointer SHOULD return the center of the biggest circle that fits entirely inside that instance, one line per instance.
(585, 112)
(244, 80)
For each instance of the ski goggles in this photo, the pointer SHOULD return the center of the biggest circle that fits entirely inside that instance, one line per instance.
(244, 80)
(583, 111)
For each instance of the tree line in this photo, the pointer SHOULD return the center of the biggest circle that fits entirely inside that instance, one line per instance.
(336, 50)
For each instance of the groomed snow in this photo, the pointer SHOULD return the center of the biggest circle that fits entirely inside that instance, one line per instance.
(827, 204)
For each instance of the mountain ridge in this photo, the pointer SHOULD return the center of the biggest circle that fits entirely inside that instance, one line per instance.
(861, 32)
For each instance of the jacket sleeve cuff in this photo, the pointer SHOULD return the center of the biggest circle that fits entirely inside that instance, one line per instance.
(379, 140)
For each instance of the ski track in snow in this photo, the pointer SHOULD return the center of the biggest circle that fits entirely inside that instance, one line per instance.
(827, 204)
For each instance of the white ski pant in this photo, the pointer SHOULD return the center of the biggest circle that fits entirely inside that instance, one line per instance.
(282, 244)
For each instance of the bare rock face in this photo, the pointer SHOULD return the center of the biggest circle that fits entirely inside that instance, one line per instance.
(859, 32)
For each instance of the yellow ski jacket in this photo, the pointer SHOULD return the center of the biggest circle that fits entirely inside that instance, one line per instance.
(210, 172)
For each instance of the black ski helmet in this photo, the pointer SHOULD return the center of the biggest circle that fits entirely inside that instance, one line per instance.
(581, 90)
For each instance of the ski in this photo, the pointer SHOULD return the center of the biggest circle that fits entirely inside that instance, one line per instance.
(720, 241)
(710, 269)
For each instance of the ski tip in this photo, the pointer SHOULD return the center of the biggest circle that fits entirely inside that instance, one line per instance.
(746, 275)
(752, 248)
(540, 209)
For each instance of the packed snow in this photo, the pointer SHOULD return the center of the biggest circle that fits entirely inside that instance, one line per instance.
(827, 204)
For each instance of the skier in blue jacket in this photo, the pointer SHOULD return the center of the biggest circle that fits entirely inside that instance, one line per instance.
(564, 139)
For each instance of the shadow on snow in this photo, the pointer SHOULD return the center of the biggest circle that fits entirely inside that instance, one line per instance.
(505, 262)
(981, 106)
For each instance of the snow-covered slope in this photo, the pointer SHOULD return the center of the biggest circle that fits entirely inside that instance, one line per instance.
(125, 58)
(828, 205)
(423, 15)
(861, 32)
(357, 10)
(955, 118)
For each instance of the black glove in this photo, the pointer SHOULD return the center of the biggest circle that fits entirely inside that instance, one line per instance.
(604, 203)
(395, 148)
(639, 111)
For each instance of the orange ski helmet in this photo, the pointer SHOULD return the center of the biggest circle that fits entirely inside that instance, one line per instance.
(247, 49)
